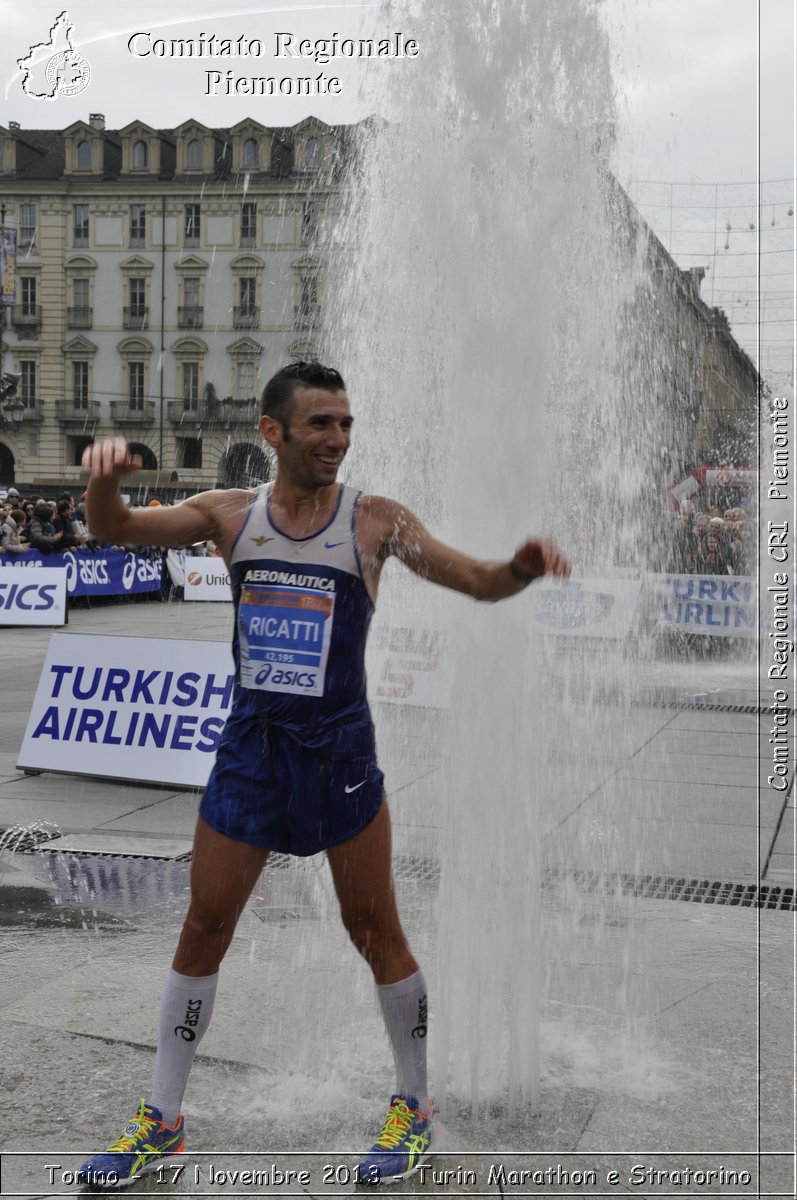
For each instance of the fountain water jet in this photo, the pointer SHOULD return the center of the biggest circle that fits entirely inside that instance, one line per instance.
(489, 268)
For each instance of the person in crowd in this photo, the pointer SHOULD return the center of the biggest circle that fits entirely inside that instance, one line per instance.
(12, 542)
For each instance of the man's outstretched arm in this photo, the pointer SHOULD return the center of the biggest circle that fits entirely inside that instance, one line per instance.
(110, 519)
(403, 536)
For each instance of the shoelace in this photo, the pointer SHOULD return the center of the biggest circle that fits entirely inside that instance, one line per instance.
(126, 1143)
(397, 1122)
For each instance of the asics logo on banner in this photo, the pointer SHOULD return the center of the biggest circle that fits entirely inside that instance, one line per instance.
(129, 571)
(420, 1029)
(191, 1018)
(283, 678)
(70, 562)
(349, 790)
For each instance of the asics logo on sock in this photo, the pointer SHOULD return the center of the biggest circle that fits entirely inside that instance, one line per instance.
(191, 1018)
(420, 1029)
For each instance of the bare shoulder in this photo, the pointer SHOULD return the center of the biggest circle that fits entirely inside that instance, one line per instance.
(384, 525)
(224, 508)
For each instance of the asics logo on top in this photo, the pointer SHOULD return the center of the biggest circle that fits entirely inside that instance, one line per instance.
(261, 541)
(332, 545)
(347, 789)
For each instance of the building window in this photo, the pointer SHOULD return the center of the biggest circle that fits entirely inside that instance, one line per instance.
(251, 153)
(194, 155)
(27, 382)
(308, 302)
(80, 224)
(80, 385)
(79, 315)
(84, 156)
(28, 288)
(135, 386)
(140, 156)
(312, 154)
(138, 296)
(190, 386)
(189, 453)
(246, 371)
(248, 223)
(309, 222)
(138, 224)
(27, 224)
(192, 216)
(248, 294)
(190, 315)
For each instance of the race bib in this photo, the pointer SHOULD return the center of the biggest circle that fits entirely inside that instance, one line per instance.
(284, 635)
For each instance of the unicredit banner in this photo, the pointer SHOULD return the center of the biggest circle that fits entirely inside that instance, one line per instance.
(206, 579)
(587, 608)
(33, 597)
(149, 709)
(102, 572)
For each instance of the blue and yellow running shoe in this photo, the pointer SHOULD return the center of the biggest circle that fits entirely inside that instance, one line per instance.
(145, 1140)
(401, 1147)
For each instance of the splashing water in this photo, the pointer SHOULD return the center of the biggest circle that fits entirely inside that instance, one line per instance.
(492, 319)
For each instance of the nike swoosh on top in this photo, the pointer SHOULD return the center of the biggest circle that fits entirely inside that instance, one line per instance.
(354, 789)
(332, 545)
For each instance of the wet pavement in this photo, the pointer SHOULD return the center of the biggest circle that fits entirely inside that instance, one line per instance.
(667, 1025)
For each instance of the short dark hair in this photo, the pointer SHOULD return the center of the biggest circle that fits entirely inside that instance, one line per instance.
(277, 398)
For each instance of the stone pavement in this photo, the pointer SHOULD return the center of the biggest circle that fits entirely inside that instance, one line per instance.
(667, 1024)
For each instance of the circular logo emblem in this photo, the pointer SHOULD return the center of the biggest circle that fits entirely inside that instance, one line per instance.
(70, 562)
(185, 1033)
(68, 73)
(129, 571)
(194, 578)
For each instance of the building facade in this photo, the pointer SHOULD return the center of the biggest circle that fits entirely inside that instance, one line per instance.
(161, 277)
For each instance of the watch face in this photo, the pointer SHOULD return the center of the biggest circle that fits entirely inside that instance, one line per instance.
(68, 72)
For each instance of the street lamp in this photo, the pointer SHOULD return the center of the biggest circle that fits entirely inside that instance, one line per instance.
(12, 410)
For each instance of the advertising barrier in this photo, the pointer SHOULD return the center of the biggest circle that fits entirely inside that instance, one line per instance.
(405, 662)
(101, 572)
(586, 608)
(148, 709)
(711, 605)
(33, 597)
(206, 579)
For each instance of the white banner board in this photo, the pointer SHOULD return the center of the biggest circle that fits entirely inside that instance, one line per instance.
(206, 579)
(32, 597)
(146, 709)
(405, 661)
(585, 608)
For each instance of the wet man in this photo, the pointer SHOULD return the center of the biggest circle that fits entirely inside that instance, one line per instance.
(296, 768)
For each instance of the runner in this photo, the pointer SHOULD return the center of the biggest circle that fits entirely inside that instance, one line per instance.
(296, 769)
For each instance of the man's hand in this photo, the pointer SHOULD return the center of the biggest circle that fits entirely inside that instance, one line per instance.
(110, 458)
(539, 556)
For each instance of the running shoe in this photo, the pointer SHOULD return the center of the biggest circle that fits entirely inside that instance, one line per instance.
(401, 1147)
(143, 1142)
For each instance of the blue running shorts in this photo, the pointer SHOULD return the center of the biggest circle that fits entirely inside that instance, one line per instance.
(270, 791)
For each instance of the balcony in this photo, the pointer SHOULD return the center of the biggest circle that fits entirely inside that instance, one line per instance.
(136, 412)
(246, 316)
(136, 318)
(179, 414)
(221, 416)
(190, 316)
(306, 318)
(27, 319)
(79, 318)
(73, 412)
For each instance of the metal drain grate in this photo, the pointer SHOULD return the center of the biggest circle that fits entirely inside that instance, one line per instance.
(666, 887)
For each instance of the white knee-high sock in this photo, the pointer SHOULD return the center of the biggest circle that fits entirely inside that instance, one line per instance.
(404, 1010)
(186, 1009)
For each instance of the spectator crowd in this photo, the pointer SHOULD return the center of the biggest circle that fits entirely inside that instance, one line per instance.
(714, 542)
